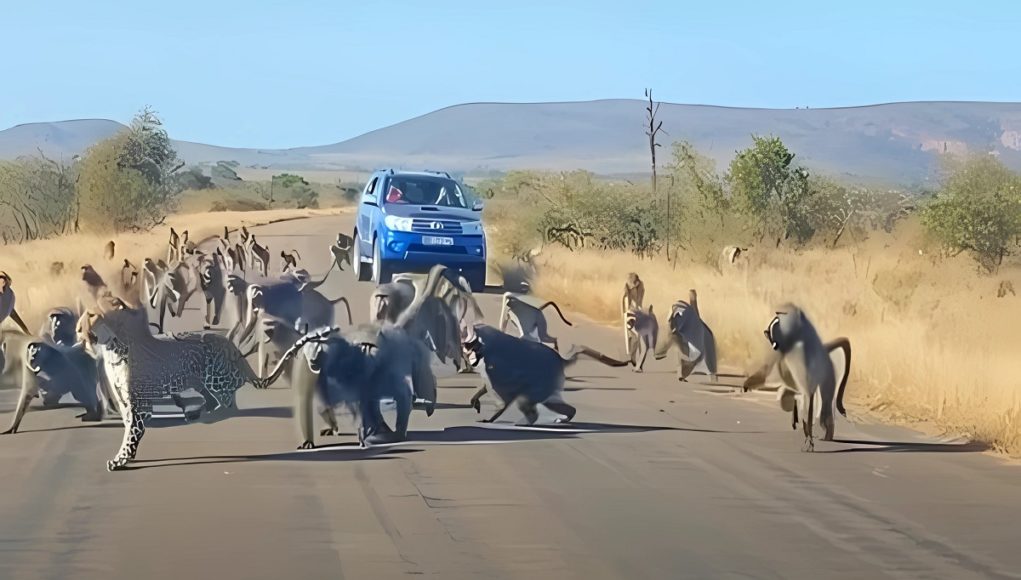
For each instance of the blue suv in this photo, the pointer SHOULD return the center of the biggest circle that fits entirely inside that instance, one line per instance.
(409, 221)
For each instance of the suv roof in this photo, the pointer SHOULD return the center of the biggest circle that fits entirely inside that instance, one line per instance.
(427, 172)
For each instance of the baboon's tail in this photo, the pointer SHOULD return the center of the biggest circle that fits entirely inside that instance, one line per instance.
(346, 307)
(295, 252)
(845, 345)
(578, 350)
(557, 308)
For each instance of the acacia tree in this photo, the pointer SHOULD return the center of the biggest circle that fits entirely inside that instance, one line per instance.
(769, 188)
(127, 182)
(978, 211)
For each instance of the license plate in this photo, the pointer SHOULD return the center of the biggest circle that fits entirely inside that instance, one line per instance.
(437, 241)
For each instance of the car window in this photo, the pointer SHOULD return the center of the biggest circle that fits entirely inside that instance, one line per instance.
(369, 187)
(425, 190)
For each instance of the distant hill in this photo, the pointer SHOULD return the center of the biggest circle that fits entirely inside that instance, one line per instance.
(892, 143)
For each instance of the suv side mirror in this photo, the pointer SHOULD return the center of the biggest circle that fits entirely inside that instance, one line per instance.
(478, 205)
(369, 199)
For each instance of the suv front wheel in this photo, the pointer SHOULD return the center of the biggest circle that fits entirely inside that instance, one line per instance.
(380, 271)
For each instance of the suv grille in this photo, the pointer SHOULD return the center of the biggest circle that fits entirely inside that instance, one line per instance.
(426, 226)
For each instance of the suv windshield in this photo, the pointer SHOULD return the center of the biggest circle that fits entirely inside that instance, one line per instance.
(424, 190)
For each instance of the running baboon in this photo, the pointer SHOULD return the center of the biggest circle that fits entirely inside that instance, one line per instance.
(806, 368)
(289, 260)
(7, 300)
(642, 331)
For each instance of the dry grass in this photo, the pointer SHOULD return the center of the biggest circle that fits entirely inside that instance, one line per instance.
(932, 340)
(38, 291)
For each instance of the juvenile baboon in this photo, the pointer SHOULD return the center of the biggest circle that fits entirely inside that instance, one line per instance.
(7, 300)
(642, 331)
(634, 294)
(258, 255)
(129, 276)
(289, 260)
(93, 284)
(109, 250)
(732, 253)
(173, 246)
(528, 318)
(341, 250)
(806, 368)
(56, 268)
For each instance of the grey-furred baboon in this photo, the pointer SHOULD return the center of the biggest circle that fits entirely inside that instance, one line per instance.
(693, 338)
(258, 255)
(58, 328)
(522, 371)
(633, 295)
(642, 331)
(212, 281)
(289, 260)
(528, 318)
(52, 372)
(7, 300)
(806, 368)
(173, 247)
(341, 250)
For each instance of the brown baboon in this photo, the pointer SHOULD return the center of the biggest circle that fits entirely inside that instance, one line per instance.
(109, 250)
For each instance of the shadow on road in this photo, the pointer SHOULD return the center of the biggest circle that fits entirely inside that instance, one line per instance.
(573, 389)
(338, 452)
(267, 412)
(904, 447)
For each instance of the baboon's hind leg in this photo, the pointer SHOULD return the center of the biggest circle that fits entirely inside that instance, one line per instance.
(562, 408)
(528, 410)
(476, 400)
(826, 412)
(807, 422)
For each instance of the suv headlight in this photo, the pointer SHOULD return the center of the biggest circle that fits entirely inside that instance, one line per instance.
(472, 228)
(400, 224)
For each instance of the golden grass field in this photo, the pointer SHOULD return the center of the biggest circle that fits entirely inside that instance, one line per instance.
(932, 341)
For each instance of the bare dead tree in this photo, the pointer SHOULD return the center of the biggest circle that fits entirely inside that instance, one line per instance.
(653, 129)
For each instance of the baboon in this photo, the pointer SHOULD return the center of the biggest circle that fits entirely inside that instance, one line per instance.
(109, 250)
(634, 294)
(341, 250)
(806, 368)
(56, 268)
(7, 299)
(289, 260)
(522, 371)
(528, 318)
(93, 284)
(58, 329)
(731, 254)
(56, 372)
(173, 246)
(129, 276)
(259, 254)
(642, 330)
(693, 337)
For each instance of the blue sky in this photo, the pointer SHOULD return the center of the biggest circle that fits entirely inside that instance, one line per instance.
(301, 72)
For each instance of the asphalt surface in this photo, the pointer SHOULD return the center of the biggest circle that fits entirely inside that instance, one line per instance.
(655, 479)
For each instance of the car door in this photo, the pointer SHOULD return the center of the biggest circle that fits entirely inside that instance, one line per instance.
(376, 215)
(367, 206)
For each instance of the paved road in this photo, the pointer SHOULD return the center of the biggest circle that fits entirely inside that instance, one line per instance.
(657, 480)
